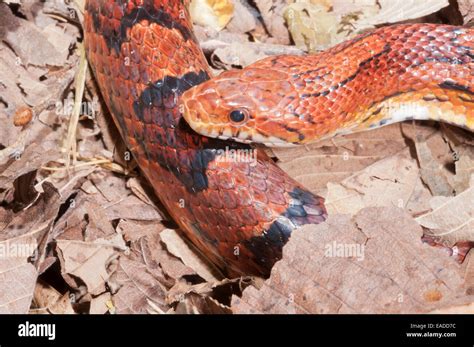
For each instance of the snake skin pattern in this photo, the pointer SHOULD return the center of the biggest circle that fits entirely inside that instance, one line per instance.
(238, 212)
(392, 74)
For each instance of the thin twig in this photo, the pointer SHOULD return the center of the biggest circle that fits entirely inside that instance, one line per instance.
(80, 82)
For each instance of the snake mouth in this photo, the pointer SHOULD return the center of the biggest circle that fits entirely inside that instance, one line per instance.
(224, 132)
(239, 136)
(201, 123)
(253, 137)
(221, 131)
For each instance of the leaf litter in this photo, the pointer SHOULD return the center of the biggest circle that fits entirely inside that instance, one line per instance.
(100, 242)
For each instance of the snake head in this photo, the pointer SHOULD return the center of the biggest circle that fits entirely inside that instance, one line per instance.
(248, 105)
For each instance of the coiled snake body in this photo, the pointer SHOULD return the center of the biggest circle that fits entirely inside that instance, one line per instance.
(240, 213)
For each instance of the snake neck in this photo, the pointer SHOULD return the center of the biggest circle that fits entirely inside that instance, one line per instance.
(393, 74)
(451, 104)
(425, 72)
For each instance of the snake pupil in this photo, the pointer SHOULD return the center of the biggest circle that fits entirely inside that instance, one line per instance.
(237, 116)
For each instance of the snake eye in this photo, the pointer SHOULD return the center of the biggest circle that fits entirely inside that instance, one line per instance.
(238, 116)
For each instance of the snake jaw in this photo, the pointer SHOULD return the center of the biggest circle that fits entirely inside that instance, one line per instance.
(224, 131)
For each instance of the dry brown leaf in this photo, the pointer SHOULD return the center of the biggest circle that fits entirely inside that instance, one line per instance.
(38, 216)
(28, 78)
(244, 19)
(333, 160)
(41, 80)
(392, 11)
(272, 15)
(432, 172)
(62, 306)
(18, 278)
(452, 219)
(213, 13)
(112, 187)
(45, 294)
(343, 7)
(149, 265)
(48, 299)
(98, 225)
(235, 53)
(137, 187)
(131, 207)
(205, 35)
(142, 278)
(317, 26)
(86, 261)
(466, 7)
(72, 224)
(196, 304)
(312, 26)
(418, 203)
(469, 275)
(230, 49)
(21, 248)
(31, 159)
(137, 286)
(84, 220)
(388, 182)
(17, 274)
(177, 246)
(96, 206)
(374, 263)
(205, 297)
(33, 45)
(151, 251)
(133, 230)
(118, 202)
(99, 304)
(464, 167)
